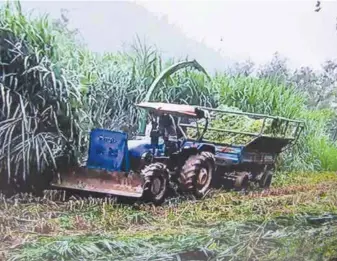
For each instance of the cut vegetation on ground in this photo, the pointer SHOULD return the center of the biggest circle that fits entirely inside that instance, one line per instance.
(299, 212)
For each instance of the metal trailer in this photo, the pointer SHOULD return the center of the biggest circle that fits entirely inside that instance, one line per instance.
(237, 164)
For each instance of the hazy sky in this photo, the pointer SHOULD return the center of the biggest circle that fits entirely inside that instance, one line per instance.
(257, 29)
(239, 29)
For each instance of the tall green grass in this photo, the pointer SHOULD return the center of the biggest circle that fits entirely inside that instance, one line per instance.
(314, 149)
(54, 91)
(260, 96)
(37, 119)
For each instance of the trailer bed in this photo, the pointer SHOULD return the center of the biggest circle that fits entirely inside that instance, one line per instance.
(273, 135)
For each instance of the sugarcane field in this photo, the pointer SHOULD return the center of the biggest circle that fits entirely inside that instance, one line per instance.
(113, 147)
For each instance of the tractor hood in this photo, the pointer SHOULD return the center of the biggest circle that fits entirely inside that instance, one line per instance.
(138, 147)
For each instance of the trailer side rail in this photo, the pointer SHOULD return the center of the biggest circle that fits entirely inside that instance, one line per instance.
(288, 129)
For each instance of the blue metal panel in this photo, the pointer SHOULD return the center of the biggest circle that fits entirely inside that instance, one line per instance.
(138, 147)
(229, 149)
(224, 155)
(190, 144)
(227, 155)
(226, 158)
(108, 150)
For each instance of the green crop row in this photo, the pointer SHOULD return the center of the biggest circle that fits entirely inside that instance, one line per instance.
(53, 91)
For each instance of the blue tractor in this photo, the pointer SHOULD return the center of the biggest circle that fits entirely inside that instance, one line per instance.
(145, 167)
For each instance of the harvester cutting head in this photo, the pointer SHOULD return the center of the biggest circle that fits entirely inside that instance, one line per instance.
(107, 169)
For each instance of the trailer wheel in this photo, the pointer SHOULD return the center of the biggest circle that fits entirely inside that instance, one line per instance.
(265, 180)
(155, 182)
(241, 181)
(197, 173)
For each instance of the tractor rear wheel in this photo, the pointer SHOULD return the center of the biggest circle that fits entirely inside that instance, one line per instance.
(155, 182)
(197, 173)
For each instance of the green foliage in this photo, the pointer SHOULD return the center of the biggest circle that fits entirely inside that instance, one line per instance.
(235, 241)
(314, 150)
(36, 116)
(54, 91)
(319, 143)
(260, 96)
(241, 123)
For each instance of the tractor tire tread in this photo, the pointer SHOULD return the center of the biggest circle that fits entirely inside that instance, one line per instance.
(191, 166)
(147, 173)
(150, 169)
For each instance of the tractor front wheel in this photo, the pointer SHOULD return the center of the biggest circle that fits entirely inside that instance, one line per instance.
(155, 182)
(197, 173)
